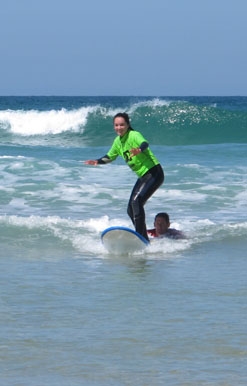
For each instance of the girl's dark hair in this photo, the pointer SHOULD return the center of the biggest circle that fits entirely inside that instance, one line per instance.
(125, 117)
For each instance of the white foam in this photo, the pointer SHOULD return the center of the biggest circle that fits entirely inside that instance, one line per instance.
(84, 235)
(35, 122)
(11, 157)
(165, 247)
(154, 103)
(179, 195)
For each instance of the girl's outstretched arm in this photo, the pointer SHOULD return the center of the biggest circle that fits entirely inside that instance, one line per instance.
(93, 162)
(100, 161)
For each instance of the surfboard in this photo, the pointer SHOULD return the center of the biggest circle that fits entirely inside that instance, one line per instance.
(123, 240)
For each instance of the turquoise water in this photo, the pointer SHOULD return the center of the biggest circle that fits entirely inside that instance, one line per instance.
(71, 313)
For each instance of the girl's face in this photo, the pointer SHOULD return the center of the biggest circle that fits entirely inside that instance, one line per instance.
(120, 126)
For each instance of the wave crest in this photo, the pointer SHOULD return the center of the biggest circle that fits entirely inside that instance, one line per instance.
(34, 122)
(162, 121)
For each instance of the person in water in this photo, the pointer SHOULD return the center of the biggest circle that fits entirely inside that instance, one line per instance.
(134, 149)
(162, 228)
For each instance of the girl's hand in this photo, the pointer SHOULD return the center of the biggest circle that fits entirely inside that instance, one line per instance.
(93, 162)
(135, 151)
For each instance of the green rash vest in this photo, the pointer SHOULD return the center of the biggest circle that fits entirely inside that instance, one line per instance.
(140, 163)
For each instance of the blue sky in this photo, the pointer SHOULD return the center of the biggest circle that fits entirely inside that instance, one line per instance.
(131, 47)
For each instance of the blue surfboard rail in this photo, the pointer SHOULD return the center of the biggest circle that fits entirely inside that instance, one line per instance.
(145, 241)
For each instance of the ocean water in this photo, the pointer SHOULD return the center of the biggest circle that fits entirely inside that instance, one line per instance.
(73, 314)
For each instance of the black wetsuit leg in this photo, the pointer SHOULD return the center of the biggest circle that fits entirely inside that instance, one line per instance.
(142, 191)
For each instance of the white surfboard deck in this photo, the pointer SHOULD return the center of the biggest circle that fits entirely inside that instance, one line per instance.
(123, 240)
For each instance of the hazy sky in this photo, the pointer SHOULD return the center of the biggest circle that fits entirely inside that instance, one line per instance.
(130, 47)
